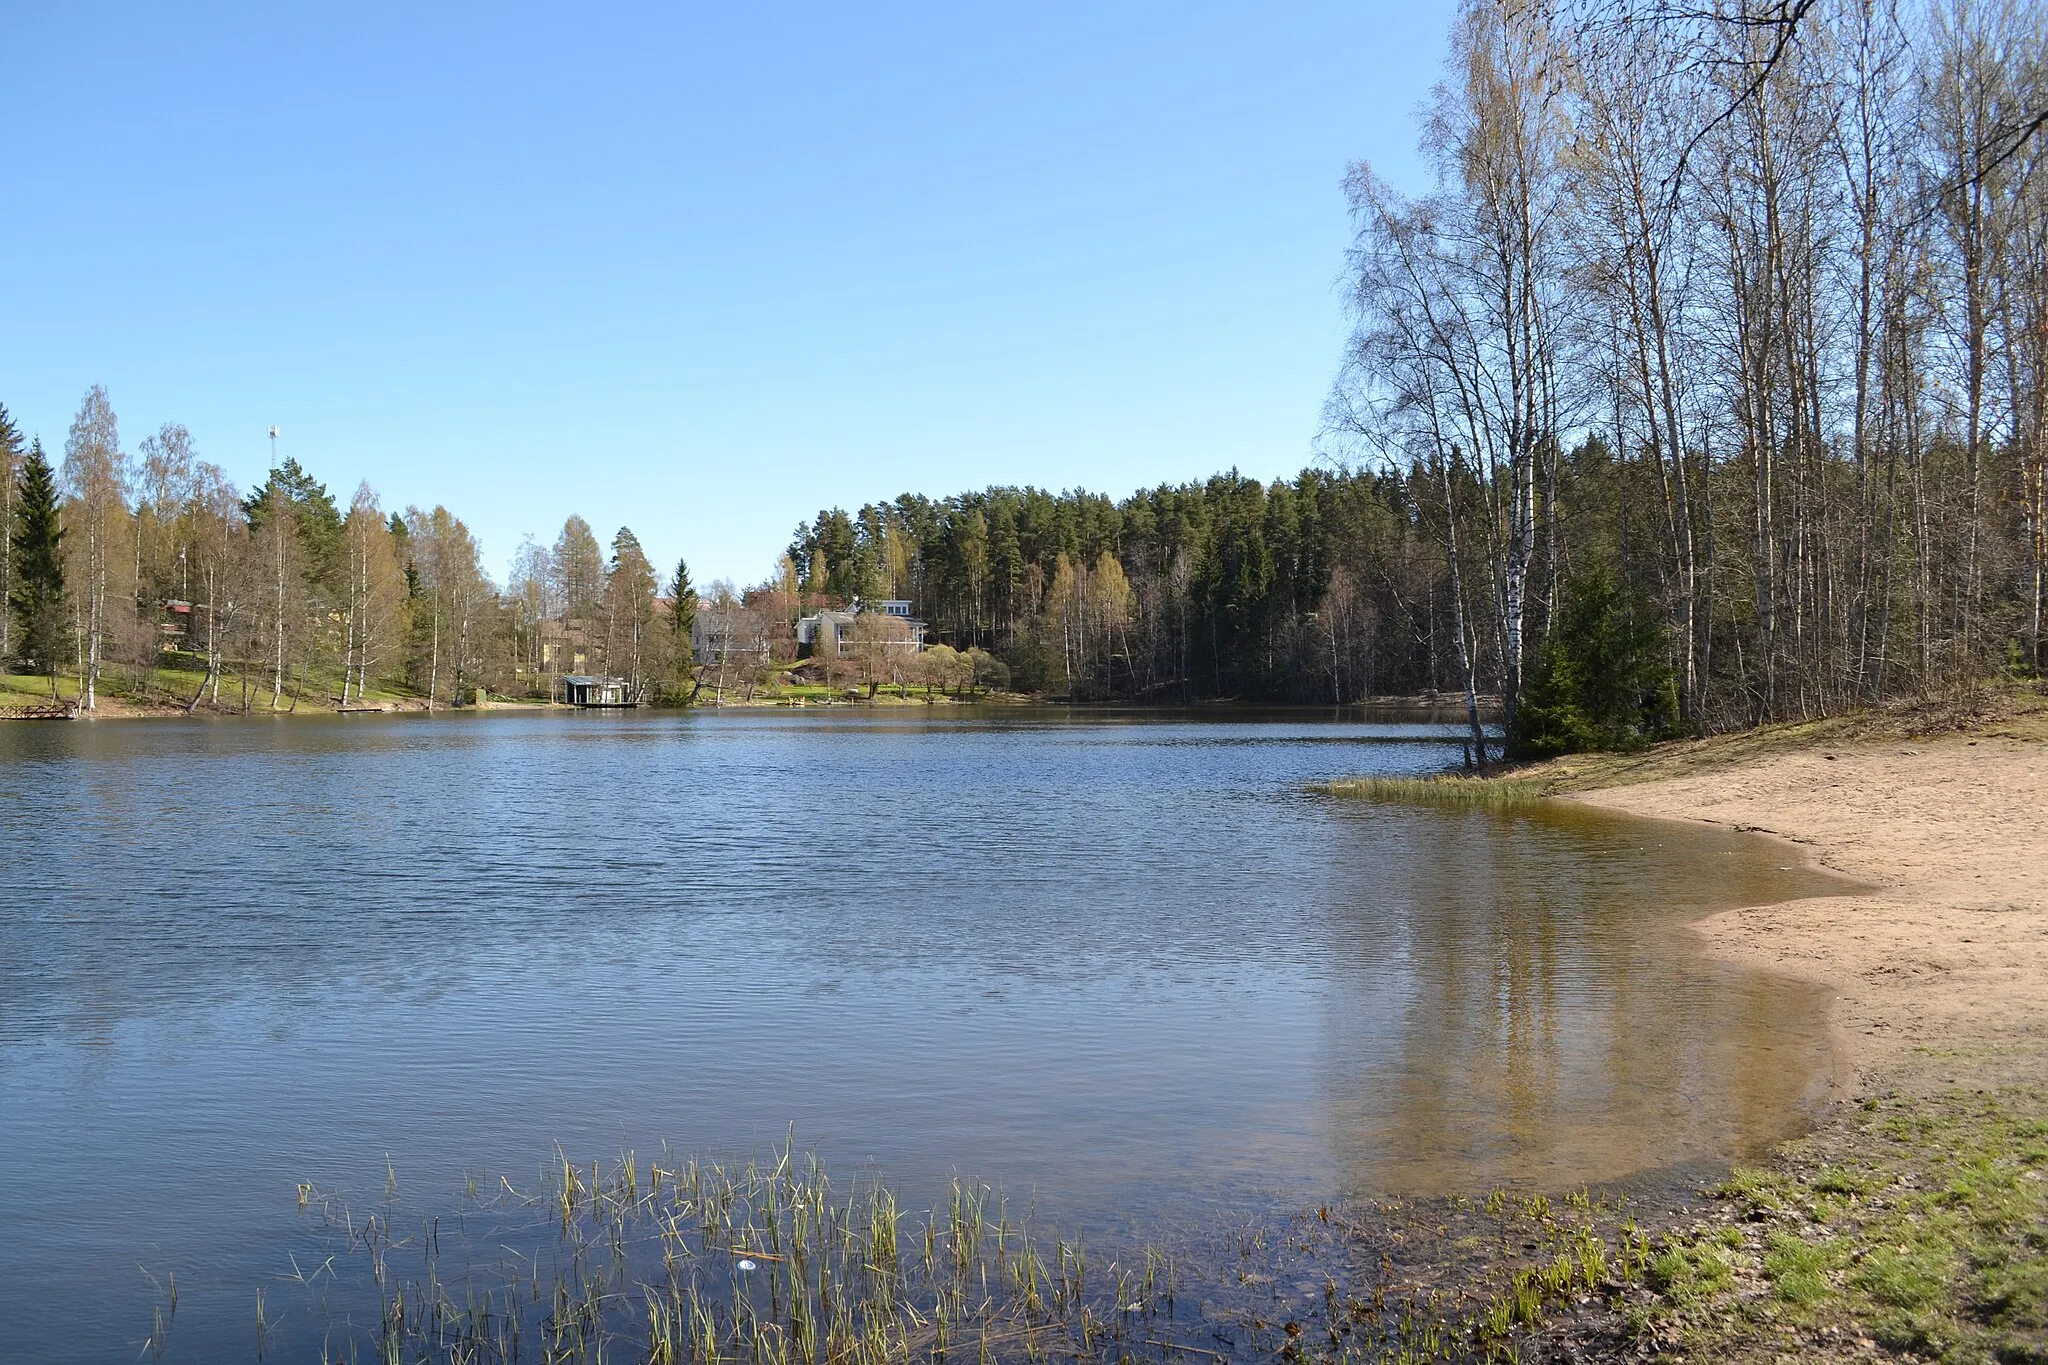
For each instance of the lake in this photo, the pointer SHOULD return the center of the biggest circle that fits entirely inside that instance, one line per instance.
(1131, 968)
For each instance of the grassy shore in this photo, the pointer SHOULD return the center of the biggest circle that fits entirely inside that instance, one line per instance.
(1914, 1224)
(167, 691)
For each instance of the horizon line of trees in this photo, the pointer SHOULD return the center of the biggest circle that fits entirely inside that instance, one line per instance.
(1706, 385)
(112, 564)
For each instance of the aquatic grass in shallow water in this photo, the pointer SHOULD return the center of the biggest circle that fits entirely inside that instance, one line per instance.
(1920, 1229)
(769, 1263)
(772, 1263)
(1471, 793)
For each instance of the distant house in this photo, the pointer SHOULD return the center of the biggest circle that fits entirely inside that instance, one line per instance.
(831, 632)
(563, 644)
(581, 689)
(828, 632)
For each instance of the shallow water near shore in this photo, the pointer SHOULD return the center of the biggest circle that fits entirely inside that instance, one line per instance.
(1129, 967)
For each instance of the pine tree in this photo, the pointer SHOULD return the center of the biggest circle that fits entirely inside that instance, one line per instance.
(312, 508)
(37, 599)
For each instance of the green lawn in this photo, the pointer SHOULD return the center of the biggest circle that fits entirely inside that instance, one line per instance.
(172, 682)
(26, 689)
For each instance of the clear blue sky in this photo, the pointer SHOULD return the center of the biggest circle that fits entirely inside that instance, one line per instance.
(700, 270)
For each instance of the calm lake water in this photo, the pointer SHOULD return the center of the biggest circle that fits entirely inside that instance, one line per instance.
(1130, 967)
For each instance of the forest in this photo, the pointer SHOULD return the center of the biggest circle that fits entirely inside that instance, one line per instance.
(1705, 385)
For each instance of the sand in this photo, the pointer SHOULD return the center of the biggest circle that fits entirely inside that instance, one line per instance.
(1940, 970)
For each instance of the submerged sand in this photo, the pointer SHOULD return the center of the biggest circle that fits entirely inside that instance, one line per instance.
(1941, 970)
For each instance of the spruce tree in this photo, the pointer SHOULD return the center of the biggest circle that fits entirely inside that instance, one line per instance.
(682, 617)
(37, 599)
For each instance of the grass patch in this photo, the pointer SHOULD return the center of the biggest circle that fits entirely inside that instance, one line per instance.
(1796, 1268)
(17, 689)
(1921, 1227)
(1688, 1273)
(1916, 1278)
(1761, 1190)
(167, 686)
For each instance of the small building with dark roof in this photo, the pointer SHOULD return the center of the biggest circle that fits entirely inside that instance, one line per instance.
(581, 689)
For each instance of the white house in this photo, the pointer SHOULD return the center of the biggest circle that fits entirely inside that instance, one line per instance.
(832, 631)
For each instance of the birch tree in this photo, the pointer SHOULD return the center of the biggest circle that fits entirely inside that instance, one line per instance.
(1976, 48)
(1635, 254)
(530, 595)
(628, 607)
(220, 562)
(1460, 305)
(457, 599)
(95, 476)
(376, 593)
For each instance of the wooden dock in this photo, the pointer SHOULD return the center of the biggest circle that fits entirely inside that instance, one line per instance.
(42, 711)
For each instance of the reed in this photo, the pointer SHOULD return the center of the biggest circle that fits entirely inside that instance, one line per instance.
(766, 1263)
(1444, 789)
(774, 1262)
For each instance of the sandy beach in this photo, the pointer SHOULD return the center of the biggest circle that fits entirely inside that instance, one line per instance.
(1941, 969)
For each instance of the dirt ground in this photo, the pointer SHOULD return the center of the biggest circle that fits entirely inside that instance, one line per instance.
(1941, 970)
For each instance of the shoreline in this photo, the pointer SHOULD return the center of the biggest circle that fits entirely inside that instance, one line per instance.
(1939, 960)
(1422, 709)
(1909, 1220)
(1940, 969)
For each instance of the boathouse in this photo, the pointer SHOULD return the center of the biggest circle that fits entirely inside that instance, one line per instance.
(580, 689)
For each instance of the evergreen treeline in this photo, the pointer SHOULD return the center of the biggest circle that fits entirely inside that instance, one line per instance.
(1707, 385)
(1311, 590)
